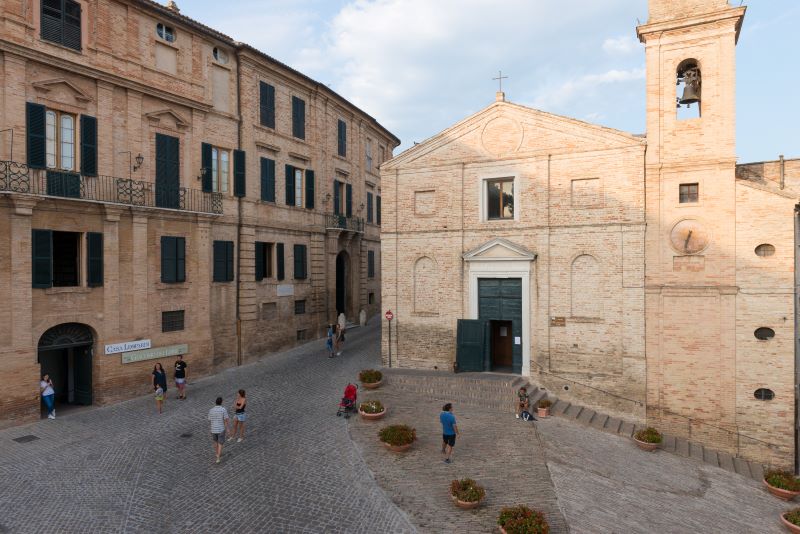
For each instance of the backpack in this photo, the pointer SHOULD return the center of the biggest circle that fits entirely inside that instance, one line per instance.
(526, 416)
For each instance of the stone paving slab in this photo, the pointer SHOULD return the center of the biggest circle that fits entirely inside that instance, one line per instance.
(607, 485)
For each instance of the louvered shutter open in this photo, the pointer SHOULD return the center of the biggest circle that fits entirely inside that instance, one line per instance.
(206, 163)
(279, 260)
(239, 182)
(267, 180)
(260, 267)
(289, 185)
(94, 253)
(168, 260)
(336, 199)
(310, 189)
(42, 258)
(349, 199)
(35, 129)
(88, 145)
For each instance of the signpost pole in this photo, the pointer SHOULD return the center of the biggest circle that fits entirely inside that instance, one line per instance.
(389, 316)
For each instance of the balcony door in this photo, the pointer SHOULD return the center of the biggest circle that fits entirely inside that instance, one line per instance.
(167, 171)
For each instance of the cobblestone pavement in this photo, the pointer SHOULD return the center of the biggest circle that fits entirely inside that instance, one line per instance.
(124, 468)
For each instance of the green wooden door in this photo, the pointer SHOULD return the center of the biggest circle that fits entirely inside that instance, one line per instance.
(500, 299)
(83, 374)
(470, 341)
(167, 171)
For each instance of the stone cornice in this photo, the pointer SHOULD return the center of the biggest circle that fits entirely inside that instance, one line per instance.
(679, 24)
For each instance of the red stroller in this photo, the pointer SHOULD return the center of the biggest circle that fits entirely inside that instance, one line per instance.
(348, 404)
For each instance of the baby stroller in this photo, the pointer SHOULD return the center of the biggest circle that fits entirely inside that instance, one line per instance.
(348, 404)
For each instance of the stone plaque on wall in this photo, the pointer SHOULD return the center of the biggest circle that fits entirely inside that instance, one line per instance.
(558, 321)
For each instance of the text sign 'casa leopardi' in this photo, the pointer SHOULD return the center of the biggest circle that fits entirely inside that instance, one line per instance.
(116, 348)
(151, 354)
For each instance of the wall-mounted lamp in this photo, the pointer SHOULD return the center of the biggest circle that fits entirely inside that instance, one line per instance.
(327, 198)
(139, 161)
(361, 207)
(203, 171)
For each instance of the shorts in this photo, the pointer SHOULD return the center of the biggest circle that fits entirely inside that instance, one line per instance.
(241, 417)
(449, 439)
(218, 438)
(180, 381)
(159, 397)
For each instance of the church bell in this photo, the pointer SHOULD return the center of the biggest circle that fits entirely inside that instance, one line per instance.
(691, 88)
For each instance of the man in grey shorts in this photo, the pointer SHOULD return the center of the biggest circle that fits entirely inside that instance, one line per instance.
(218, 416)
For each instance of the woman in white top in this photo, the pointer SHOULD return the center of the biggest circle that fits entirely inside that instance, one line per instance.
(48, 396)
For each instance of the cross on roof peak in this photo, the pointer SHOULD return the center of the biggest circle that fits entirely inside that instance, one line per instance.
(500, 79)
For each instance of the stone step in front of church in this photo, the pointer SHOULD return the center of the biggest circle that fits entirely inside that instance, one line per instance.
(498, 391)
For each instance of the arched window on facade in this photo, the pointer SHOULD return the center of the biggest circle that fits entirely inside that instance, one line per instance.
(586, 287)
(426, 285)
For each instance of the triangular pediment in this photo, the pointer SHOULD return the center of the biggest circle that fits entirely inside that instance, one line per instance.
(505, 131)
(46, 86)
(167, 116)
(500, 249)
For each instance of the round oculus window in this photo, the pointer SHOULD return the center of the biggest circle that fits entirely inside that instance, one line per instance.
(764, 333)
(220, 55)
(764, 394)
(165, 32)
(765, 250)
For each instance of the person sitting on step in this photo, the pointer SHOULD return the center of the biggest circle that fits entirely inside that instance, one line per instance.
(523, 400)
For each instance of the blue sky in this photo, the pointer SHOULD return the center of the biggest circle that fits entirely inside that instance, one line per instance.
(418, 66)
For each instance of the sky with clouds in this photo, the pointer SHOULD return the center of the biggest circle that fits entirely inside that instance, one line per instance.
(419, 66)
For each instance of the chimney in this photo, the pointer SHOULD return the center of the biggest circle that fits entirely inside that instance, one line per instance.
(172, 6)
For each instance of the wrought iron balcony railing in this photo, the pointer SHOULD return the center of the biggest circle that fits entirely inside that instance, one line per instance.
(19, 178)
(340, 222)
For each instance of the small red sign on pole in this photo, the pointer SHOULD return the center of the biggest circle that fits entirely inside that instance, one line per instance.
(389, 315)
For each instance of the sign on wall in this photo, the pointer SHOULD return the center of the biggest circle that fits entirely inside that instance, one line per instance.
(127, 346)
(152, 354)
(285, 290)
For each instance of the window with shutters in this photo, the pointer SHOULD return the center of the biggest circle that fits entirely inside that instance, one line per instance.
(339, 199)
(173, 259)
(342, 138)
(167, 33)
(300, 262)
(61, 23)
(220, 170)
(59, 140)
(371, 264)
(298, 117)
(368, 151)
(279, 265)
(264, 255)
(298, 188)
(94, 259)
(172, 321)
(223, 261)
(266, 104)
(378, 210)
(267, 180)
(369, 207)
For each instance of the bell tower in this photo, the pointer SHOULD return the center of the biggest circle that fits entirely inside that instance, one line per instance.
(690, 260)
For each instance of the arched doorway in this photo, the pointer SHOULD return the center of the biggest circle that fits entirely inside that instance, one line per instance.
(342, 282)
(65, 353)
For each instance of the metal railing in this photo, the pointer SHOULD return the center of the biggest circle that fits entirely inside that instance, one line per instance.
(340, 222)
(19, 178)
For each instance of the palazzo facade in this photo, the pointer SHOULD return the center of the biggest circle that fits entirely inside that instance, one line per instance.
(647, 276)
(167, 190)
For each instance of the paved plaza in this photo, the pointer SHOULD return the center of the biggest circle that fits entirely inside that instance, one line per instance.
(300, 468)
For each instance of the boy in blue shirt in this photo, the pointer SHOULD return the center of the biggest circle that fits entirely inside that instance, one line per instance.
(449, 430)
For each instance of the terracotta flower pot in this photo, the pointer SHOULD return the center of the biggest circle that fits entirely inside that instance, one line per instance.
(543, 412)
(466, 505)
(398, 448)
(791, 526)
(645, 446)
(372, 385)
(502, 530)
(372, 416)
(783, 494)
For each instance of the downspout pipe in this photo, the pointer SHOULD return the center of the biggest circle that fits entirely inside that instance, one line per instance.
(783, 171)
(239, 213)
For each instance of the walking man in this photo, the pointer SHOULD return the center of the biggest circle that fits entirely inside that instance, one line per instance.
(218, 416)
(449, 431)
(180, 376)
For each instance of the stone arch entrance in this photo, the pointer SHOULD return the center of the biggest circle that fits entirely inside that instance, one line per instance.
(343, 279)
(65, 353)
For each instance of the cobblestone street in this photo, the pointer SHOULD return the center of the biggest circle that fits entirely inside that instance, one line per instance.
(300, 468)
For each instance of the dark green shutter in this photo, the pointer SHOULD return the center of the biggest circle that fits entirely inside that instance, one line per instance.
(35, 128)
(267, 180)
(369, 207)
(298, 118)
(349, 199)
(336, 198)
(72, 25)
(88, 145)
(342, 138)
(206, 163)
(42, 258)
(300, 262)
(378, 210)
(219, 261)
(229, 274)
(267, 104)
(310, 189)
(94, 246)
(370, 263)
(289, 185)
(239, 182)
(279, 260)
(180, 259)
(260, 266)
(168, 260)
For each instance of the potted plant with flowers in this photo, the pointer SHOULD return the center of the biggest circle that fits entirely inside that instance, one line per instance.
(466, 493)
(791, 520)
(648, 439)
(782, 484)
(372, 410)
(522, 520)
(370, 378)
(398, 438)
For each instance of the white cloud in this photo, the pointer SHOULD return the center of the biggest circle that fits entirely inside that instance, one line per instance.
(584, 86)
(622, 45)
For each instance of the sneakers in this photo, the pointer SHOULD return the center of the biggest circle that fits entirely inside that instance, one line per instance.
(51, 416)
(447, 460)
(239, 440)
(229, 438)
(217, 459)
(517, 416)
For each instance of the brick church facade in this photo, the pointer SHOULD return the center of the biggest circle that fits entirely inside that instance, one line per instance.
(650, 277)
(167, 190)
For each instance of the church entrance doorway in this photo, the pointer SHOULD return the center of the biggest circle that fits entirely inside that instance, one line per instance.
(342, 277)
(65, 353)
(493, 342)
